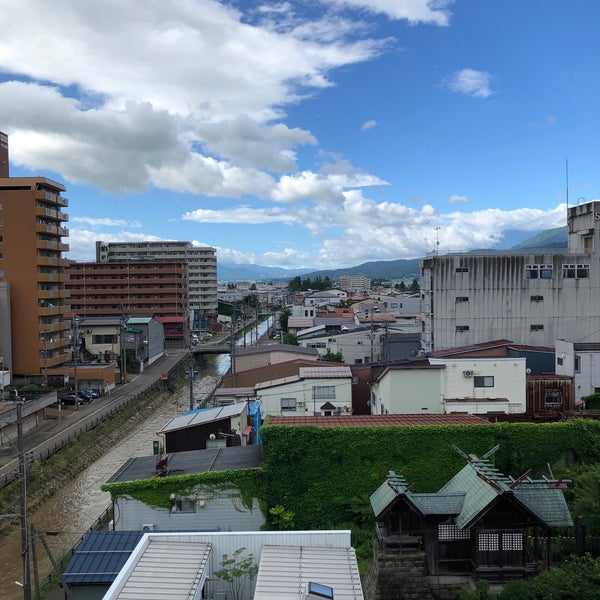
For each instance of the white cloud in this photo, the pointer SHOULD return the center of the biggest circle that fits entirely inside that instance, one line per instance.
(413, 11)
(470, 82)
(457, 198)
(368, 125)
(194, 89)
(241, 215)
(104, 222)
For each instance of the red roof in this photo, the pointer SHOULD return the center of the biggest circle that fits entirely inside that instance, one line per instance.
(171, 319)
(380, 420)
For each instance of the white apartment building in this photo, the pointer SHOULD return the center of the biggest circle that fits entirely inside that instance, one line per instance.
(202, 270)
(527, 297)
(355, 284)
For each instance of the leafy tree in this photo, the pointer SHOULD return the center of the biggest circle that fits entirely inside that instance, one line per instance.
(235, 570)
(284, 315)
(584, 496)
(333, 356)
(290, 339)
(253, 287)
(280, 518)
(414, 286)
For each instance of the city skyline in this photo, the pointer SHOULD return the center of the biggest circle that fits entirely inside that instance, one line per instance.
(305, 134)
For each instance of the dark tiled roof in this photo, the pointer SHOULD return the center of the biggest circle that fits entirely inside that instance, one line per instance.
(470, 348)
(191, 462)
(380, 420)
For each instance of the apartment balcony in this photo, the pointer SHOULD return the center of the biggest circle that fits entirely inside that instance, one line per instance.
(51, 245)
(52, 197)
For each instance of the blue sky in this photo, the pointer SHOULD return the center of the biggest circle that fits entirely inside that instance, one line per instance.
(316, 133)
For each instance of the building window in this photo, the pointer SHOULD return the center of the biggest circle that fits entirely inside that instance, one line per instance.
(488, 542)
(324, 392)
(483, 381)
(449, 531)
(462, 298)
(462, 328)
(536, 327)
(462, 269)
(288, 404)
(577, 364)
(536, 298)
(538, 271)
(588, 245)
(560, 360)
(184, 506)
(576, 271)
(512, 541)
(553, 397)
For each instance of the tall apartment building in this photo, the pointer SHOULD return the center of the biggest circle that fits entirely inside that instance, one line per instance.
(32, 275)
(201, 264)
(148, 288)
(355, 284)
(533, 297)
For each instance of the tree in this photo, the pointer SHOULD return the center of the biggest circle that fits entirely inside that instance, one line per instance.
(333, 356)
(235, 570)
(290, 339)
(284, 315)
(414, 286)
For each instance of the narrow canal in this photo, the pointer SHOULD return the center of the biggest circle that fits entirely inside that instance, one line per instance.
(72, 512)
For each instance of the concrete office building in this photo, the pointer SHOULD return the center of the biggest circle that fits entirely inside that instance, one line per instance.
(532, 297)
(32, 272)
(201, 264)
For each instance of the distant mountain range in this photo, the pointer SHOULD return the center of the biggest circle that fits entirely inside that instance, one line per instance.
(551, 239)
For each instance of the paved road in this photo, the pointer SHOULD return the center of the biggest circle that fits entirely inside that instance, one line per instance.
(52, 434)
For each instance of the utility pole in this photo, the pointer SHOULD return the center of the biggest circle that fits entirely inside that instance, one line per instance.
(23, 513)
(75, 323)
(191, 380)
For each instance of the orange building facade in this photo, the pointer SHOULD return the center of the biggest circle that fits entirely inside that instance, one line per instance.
(33, 271)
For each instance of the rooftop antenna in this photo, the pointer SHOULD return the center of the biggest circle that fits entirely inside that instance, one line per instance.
(567, 182)
(437, 240)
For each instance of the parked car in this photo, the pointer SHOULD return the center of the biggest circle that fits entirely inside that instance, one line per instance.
(85, 396)
(70, 400)
(92, 393)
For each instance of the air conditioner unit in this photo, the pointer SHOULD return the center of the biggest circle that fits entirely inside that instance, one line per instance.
(148, 527)
(468, 373)
(300, 403)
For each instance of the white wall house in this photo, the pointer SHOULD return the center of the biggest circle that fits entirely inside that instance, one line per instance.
(408, 389)
(315, 391)
(204, 508)
(476, 386)
(582, 362)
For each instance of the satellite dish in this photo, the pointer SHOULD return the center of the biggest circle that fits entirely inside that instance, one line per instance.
(212, 436)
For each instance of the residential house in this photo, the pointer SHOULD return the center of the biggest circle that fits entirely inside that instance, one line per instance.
(477, 386)
(580, 361)
(190, 506)
(323, 390)
(218, 427)
(481, 524)
(270, 354)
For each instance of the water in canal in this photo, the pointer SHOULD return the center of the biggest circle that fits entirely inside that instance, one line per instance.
(79, 504)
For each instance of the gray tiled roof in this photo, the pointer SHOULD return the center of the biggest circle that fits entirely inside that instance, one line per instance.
(473, 489)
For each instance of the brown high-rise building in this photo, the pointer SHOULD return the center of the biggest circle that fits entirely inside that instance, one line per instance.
(151, 288)
(4, 169)
(32, 274)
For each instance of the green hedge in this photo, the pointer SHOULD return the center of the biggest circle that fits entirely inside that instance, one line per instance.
(320, 474)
